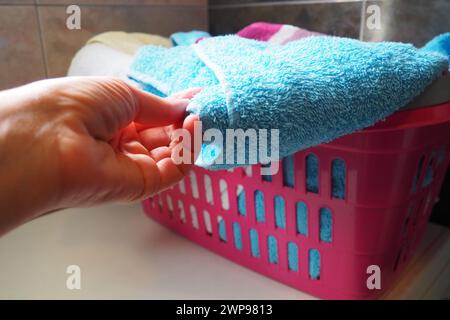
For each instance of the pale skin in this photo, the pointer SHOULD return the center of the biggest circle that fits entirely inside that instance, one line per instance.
(82, 141)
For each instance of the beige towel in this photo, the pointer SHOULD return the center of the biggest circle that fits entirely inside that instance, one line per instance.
(129, 42)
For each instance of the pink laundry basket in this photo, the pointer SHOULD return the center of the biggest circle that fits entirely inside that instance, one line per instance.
(393, 173)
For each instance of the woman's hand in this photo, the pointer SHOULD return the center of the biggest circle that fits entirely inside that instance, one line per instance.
(82, 141)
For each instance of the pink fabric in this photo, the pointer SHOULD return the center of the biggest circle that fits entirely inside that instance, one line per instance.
(200, 39)
(276, 33)
(302, 33)
(262, 31)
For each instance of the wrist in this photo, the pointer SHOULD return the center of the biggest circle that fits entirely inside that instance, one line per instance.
(27, 183)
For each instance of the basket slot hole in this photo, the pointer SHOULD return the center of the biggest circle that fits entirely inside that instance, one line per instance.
(254, 243)
(417, 175)
(152, 202)
(160, 203)
(288, 171)
(312, 173)
(207, 222)
(240, 194)
(194, 185)
(266, 177)
(194, 217)
(314, 264)
(170, 205)
(208, 189)
(292, 256)
(302, 218)
(182, 212)
(182, 186)
(325, 224)
(237, 235)
(222, 229)
(280, 217)
(272, 246)
(224, 194)
(338, 174)
(259, 206)
(248, 171)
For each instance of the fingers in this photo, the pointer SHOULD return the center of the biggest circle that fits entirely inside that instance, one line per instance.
(105, 104)
(156, 137)
(139, 175)
(196, 137)
(187, 94)
(157, 172)
(160, 153)
(146, 177)
(162, 170)
(169, 170)
(154, 111)
(158, 165)
(171, 173)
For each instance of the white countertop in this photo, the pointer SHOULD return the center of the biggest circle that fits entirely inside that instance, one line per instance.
(124, 254)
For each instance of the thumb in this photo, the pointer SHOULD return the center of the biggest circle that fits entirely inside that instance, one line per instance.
(105, 104)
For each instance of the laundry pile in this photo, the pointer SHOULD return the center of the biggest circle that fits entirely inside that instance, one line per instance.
(312, 88)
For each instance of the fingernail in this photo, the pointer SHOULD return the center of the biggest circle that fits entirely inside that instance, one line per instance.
(196, 90)
(181, 103)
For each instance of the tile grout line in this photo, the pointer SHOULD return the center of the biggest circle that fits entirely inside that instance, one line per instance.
(40, 29)
(41, 40)
(362, 22)
(278, 3)
(179, 6)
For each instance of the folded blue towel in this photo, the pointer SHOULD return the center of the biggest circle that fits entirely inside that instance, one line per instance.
(188, 38)
(439, 44)
(313, 90)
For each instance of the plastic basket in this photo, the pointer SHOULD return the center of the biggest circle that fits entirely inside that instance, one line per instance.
(313, 238)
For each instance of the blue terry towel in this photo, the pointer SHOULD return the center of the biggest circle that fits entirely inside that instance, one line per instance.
(440, 44)
(313, 90)
(187, 38)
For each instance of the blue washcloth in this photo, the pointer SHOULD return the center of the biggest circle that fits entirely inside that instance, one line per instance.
(313, 90)
(188, 38)
(439, 44)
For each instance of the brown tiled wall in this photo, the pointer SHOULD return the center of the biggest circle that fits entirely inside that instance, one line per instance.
(414, 21)
(35, 42)
(330, 17)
